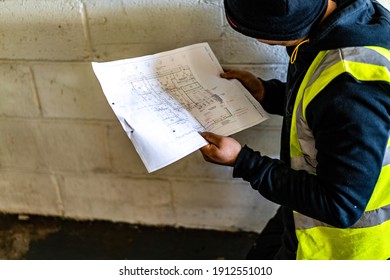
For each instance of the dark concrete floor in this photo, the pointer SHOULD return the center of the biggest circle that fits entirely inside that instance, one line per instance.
(46, 238)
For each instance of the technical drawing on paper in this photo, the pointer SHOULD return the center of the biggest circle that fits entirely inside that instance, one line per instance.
(185, 91)
(164, 100)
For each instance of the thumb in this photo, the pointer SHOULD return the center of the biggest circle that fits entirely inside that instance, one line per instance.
(210, 137)
(231, 74)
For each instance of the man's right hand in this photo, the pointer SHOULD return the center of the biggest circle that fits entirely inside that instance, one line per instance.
(248, 80)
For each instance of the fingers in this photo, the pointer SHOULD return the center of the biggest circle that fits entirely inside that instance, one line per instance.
(210, 150)
(207, 158)
(248, 80)
(221, 150)
(245, 77)
(227, 75)
(232, 74)
(211, 138)
(206, 151)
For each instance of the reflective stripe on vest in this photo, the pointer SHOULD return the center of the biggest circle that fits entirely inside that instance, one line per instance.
(369, 237)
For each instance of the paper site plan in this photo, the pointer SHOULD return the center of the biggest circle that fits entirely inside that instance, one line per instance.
(164, 100)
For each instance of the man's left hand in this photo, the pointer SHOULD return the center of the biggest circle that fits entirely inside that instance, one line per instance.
(221, 149)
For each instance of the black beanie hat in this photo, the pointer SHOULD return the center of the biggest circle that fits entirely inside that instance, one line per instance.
(280, 20)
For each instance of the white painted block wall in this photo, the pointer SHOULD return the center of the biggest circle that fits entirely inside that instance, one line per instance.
(62, 151)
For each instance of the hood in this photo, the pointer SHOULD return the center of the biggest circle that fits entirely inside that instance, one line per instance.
(353, 23)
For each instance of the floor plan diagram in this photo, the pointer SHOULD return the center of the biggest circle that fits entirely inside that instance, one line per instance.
(164, 100)
(208, 108)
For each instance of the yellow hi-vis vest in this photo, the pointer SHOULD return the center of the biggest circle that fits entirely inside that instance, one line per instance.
(369, 237)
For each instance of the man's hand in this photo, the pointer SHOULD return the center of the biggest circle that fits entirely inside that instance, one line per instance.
(221, 149)
(248, 80)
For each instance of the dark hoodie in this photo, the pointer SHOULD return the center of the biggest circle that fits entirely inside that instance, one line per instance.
(350, 121)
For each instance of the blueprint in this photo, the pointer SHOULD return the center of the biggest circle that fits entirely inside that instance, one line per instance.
(164, 100)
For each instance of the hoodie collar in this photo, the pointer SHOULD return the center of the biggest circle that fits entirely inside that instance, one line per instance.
(353, 23)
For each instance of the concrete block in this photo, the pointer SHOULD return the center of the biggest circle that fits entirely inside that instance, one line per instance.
(242, 49)
(20, 145)
(123, 156)
(223, 205)
(122, 29)
(18, 98)
(143, 201)
(70, 90)
(41, 30)
(24, 192)
(263, 139)
(76, 147)
(35, 145)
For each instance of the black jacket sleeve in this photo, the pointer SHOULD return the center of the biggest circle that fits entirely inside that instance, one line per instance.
(350, 124)
(275, 91)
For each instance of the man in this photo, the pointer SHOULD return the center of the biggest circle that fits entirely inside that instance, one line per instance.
(333, 177)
